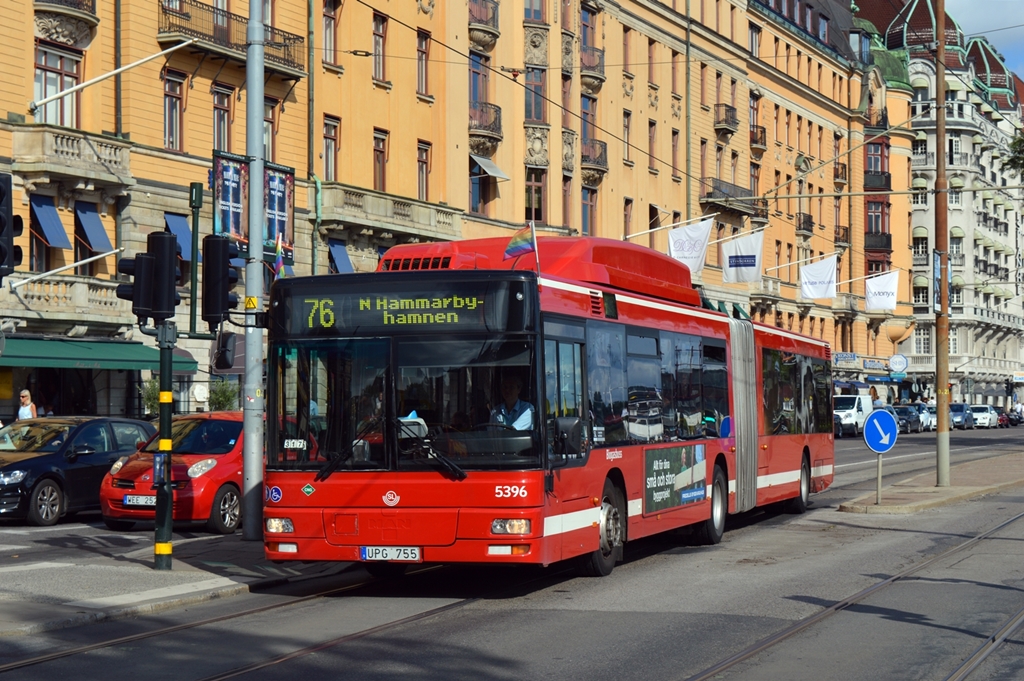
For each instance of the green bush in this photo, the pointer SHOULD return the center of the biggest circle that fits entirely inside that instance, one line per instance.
(151, 395)
(223, 395)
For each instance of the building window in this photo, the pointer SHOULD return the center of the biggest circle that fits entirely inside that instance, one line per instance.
(535, 195)
(875, 158)
(479, 68)
(588, 25)
(422, 61)
(626, 36)
(588, 112)
(627, 217)
(920, 198)
(423, 171)
(566, 200)
(823, 29)
(675, 72)
(380, 33)
(754, 39)
(480, 189)
(920, 245)
(755, 179)
(956, 245)
(703, 158)
(566, 101)
(268, 13)
(956, 297)
(652, 139)
(82, 252)
(703, 84)
(874, 217)
(719, 151)
(652, 48)
(269, 129)
(534, 11)
(919, 147)
(535, 94)
(174, 91)
(57, 71)
(955, 198)
(732, 93)
(331, 128)
(222, 118)
(588, 217)
(923, 340)
(675, 153)
(718, 88)
(627, 126)
(331, 31)
(380, 159)
(38, 251)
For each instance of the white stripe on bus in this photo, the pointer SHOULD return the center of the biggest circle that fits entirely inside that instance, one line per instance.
(635, 507)
(819, 471)
(568, 522)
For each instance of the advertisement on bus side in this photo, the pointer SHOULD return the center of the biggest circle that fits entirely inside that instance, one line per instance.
(675, 476)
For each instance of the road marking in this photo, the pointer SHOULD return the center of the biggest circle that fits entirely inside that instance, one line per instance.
(34, 566)
(37, 530)
(887, 459)
(11, 547)
(165, 592)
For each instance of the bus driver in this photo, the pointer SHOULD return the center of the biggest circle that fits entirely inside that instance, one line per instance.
(513, 412)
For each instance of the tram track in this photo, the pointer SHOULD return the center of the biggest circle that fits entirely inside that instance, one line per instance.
(989, 646)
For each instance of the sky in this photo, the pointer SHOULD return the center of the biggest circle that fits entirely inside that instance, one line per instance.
(985, 17)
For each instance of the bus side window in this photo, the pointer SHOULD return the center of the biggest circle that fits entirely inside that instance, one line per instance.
(563, 379)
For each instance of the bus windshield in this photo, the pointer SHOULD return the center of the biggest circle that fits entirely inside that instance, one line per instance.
(469, 400)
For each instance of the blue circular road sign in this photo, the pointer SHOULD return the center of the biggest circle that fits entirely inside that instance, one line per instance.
(880, 431)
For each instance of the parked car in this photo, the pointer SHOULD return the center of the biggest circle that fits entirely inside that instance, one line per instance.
(206, 467)
(1004, 420)
(984, 416)
(1014, 417)
(961, 416)
(933, 412)
(852, 410)
(53, 466)
(928, 417)
(909, 419)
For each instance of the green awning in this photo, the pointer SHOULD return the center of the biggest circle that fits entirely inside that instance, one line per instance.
(957, 232)
(55, 353)
(740, 311)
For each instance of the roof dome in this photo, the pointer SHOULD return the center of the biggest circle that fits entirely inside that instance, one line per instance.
(914, 29)
(991, 71)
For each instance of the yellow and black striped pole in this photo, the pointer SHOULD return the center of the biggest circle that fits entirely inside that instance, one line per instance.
(162, 477)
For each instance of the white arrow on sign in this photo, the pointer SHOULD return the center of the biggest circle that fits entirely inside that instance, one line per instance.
(884, 435)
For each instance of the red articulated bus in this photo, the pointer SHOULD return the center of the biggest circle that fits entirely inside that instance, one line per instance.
(456, 407)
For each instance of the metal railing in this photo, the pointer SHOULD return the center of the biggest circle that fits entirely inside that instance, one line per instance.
(758, 136)
(594, 153)
(842, 235)
(925, 159)
(804, 222)
(874, 179)
(217, 26)
(591, 60)
(840, 173)
(725, 117)
(956, 259)
(877, 242)
(485, 117)
(88, 6)
(483, 13)
(721, 192)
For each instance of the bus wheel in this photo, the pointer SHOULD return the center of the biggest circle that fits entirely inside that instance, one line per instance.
(385, 570)
(711, 530)
(613, 531)
(799, 504)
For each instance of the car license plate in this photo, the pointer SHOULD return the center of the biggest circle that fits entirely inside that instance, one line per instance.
(139, 500)
(409, 554)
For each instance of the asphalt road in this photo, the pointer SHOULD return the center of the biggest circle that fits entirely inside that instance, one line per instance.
(672, 610)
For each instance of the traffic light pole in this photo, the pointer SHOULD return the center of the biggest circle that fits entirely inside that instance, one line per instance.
(252, 405)
(942, 397)
(166, 339)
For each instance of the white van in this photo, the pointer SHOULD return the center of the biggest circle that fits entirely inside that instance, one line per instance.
(852, 410)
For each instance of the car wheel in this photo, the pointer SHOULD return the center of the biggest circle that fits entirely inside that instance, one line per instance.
(226, 514)
(612, 528)
(45, 504)
(118, 525)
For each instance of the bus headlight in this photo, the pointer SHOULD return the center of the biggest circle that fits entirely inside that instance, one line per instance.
(201, 467)
(510, 526)
(278, 525)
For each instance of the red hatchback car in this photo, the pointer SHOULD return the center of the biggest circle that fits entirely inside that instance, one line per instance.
(206, 468)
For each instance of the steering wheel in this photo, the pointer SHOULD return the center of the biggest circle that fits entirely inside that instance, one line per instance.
(486, 426)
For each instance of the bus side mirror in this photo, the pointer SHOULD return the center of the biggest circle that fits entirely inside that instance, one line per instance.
(568, 436)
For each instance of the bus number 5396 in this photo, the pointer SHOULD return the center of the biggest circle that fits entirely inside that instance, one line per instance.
(501, 491)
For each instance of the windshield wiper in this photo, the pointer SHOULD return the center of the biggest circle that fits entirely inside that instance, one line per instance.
(426, 445)
(344, 456)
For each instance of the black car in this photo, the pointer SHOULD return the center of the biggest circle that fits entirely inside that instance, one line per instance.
(909, 419)
(837, 425)
(52, 466)
(1015, 418)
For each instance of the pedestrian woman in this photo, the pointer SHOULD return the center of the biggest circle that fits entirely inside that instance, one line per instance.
(27, 410)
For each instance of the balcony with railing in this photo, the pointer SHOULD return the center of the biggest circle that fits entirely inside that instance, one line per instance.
(48, 154)
(79, 9)
(593, 160)
(956, 259)
(925, 160)
(805, 224)
(223, 33)
(877, 242)
(483, 24)
(842, 235)
(731, 197)
(726, 119)
(591, 69)
(920, 260)
(351, 205)
(840, 173)
(876, 179)
(878, 117)
(758, 139)
(484, 128)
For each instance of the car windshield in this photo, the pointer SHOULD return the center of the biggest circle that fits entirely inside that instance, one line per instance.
(843, 402)
(931, 410)
(979, 410)
(957, 408)
(905, 411)
(35, 436)
(200, 436)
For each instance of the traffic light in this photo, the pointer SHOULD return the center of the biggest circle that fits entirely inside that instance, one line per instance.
(155, 276)
(163, 246)
(10, 227)
(219, 278)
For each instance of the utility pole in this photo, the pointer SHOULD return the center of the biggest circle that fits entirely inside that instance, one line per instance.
(942, 397)
(252, 391)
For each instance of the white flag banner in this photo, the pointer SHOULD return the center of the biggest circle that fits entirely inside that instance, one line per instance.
(689, 244)
(741, 258)
(818, 279)
(880, 291)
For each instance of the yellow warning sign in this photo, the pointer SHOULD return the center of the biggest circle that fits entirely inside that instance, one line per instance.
(250, 302)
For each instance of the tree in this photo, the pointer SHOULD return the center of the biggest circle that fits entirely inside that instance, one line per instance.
(150, 391)
(223, 395)
(1015, 161)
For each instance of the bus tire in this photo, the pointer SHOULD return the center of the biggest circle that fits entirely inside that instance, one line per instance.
(612, 527)
(710, 532)
(799, 503)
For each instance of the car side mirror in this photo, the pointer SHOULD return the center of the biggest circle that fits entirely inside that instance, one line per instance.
(83, 450)
(568, 436)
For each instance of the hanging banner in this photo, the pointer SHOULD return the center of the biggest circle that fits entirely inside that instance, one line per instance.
(741, 258)
(880, 291)
(818, 279)
(230, 184)
(689, 244)
(279, 200)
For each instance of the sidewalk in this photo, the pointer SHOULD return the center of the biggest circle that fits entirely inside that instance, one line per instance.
(967, 480)
(92, 586)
